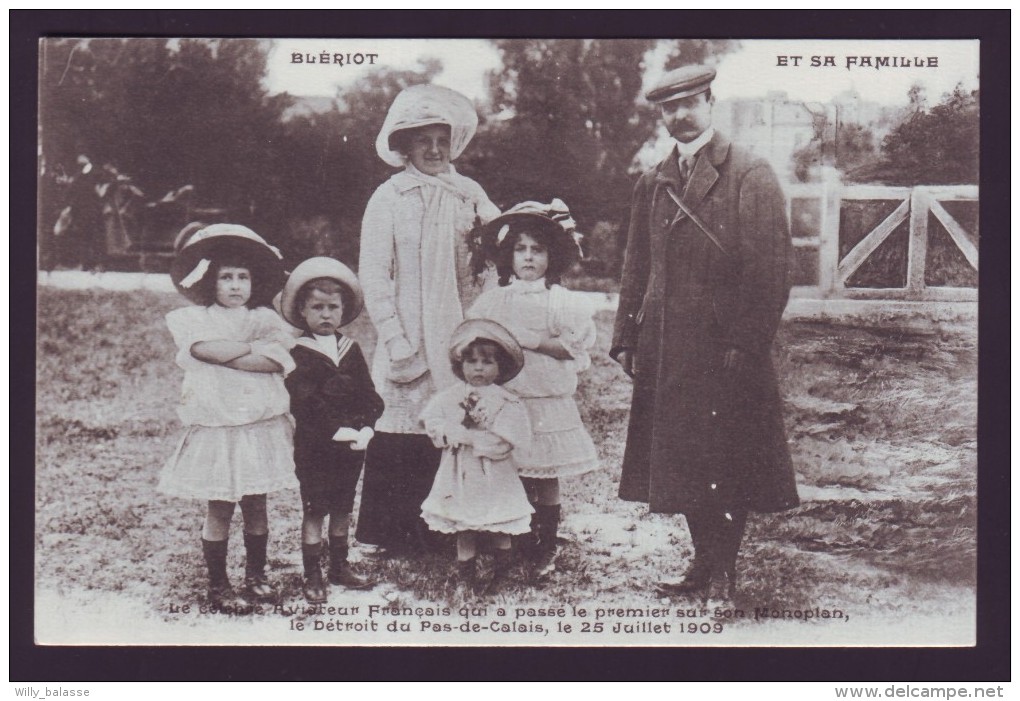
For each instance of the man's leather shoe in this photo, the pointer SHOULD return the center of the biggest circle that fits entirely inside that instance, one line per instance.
(723, 589)
(694, 583)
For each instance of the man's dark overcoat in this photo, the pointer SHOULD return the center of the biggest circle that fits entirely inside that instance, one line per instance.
(701, 436)
(323, 398)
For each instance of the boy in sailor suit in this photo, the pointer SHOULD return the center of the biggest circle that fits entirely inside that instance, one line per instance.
(334, 405)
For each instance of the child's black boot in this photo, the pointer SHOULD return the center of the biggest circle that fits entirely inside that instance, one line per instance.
(256, 584)
(466, 572)
(500, 569)
(221, 594)
(527, 543)
(547, 519)
(315, 588)
(340, 572)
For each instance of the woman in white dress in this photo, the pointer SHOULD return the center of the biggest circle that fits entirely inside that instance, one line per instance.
(417, 278)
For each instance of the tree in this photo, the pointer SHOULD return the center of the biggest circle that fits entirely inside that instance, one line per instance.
(329, 166)
(848, 147)
(167, 113)
(687, 52)
(938, 145)
(568, 125)
(569, 122)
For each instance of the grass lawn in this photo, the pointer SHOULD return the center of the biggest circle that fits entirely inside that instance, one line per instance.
(881, 416)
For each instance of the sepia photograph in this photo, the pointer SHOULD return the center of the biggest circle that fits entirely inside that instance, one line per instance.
(511, 342)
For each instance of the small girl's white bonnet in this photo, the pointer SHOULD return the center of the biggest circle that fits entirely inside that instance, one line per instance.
(420, 106)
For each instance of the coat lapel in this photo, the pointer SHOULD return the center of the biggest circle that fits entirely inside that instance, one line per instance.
(703, 177)
(668, 170)
(705, 173)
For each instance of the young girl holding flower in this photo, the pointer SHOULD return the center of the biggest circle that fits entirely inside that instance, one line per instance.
(479, 425)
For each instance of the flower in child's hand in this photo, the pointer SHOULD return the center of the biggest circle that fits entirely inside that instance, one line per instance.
(468, 405)
(475, 415)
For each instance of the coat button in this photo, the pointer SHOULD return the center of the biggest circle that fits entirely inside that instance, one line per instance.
(713, 412)
(713, 485)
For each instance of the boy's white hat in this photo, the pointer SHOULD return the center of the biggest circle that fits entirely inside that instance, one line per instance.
(315, 268)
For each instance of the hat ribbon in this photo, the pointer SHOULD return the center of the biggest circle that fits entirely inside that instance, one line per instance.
(196, 274)
(560, 214)
(556, 210)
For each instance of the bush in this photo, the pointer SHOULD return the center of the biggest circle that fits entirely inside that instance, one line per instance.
(603, 252)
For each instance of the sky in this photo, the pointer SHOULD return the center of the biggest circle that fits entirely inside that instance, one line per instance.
(753, 71)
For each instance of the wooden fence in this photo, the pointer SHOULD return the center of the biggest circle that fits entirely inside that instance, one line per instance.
(824, 216)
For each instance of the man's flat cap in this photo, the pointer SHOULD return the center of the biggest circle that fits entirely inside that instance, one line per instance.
(681, 82)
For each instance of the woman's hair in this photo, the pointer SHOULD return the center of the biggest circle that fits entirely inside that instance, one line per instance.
(560, 257)
(400, 140)
(482, 345)
(207, 285)
(326, 285)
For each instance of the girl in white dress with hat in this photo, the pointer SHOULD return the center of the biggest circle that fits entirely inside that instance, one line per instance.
(532, 244)
(416, 274)
(237, 444)
(480, 427)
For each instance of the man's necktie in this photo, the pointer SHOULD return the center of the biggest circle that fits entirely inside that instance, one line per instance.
(685, 172)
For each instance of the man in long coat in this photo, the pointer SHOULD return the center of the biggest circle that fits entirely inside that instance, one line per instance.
(705, 282)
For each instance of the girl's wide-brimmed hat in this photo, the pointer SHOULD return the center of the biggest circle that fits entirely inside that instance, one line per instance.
(420, 106)
(233, 242)
(314, 269)
(553, 218)
(472, 330)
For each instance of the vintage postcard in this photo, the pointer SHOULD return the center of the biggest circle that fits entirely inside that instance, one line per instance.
(746, 416)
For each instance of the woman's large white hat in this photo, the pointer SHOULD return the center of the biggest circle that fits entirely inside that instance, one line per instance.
(420, 106)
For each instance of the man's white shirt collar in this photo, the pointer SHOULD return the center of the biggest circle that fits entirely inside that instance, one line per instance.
(689, 150)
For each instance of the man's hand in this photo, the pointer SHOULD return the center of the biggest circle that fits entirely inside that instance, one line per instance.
(627, 361)
(733, 360)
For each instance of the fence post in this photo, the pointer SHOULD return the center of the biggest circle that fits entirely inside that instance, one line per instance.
(829, 283)
(918, 247)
